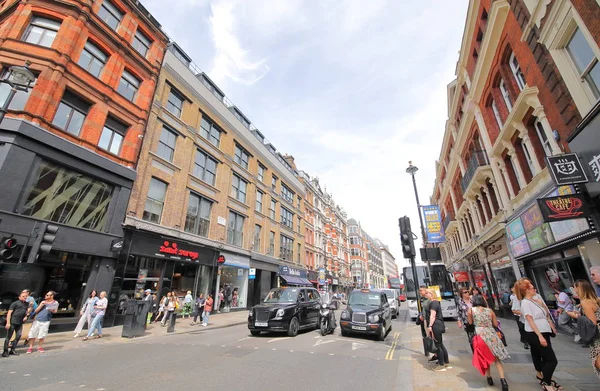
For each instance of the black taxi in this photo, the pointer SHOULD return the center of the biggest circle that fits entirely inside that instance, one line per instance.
(368, 312)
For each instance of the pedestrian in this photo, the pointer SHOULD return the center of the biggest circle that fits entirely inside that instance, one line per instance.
(17, 314)
(98, 315)
(565, 322)
(515, 306)
(148, 299)
(41, 324)
(208, 306)
(199, 308)
(590, 307)
(464, 305)
(540, 329)
(170, 308)
(162, 307)
(187, 305)
(435, 329)
(595, 275)
(86, 313)
(425, 315)
(486, 323)
(476, 291)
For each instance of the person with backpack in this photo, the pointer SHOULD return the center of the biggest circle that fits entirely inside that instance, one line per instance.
(588, 316)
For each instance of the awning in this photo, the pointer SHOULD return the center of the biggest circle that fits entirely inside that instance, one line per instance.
(305, 281)
(292, 280)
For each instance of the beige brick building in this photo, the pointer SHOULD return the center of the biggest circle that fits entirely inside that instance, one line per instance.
(209, 184)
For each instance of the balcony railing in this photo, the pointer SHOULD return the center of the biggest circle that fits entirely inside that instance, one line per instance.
(478, 159)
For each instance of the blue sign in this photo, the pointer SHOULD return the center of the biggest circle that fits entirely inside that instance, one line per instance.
(290, 271)
(433, 224)
(322, 276)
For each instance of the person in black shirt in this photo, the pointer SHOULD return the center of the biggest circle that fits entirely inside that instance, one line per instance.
(16, 316)
(436, 328)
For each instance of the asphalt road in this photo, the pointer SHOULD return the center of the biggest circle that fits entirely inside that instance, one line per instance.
(222, 359)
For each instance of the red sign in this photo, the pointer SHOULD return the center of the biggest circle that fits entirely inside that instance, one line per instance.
(564, 207)
(461, 276)
(221, 259)
(171, 248)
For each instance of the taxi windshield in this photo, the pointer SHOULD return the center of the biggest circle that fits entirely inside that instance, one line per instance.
(282, 296)
(365, 298)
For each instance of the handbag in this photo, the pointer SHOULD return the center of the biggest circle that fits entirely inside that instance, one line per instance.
(430, 345)
(587, 330)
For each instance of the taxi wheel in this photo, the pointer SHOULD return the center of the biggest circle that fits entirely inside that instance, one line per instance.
(382, 333)
(293, 327)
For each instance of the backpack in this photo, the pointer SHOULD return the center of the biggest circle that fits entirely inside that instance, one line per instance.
(587, 330)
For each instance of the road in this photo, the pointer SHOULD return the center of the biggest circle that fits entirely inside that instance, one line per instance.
(221, 359)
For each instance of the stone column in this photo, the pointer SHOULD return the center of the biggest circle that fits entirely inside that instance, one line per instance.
(527, 141)
(490, 203)
(476, 217)
(541, 116)
(484, 209)
(517, 166)
(496, 179)
(507, 181)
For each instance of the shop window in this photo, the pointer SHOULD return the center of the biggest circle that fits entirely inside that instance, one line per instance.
(197, 219)
(166, 144)
(20, 98)
(235, 228)
(155, 201)
(71, 113)
(238, 188)
(68, 197)
(205, 167)
(92, 59)
(41, 31)
(112, 136)
(286, 248)
(235, 287)
(210, 131)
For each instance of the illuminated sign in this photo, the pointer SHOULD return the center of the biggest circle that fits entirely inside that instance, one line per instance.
(173, 249)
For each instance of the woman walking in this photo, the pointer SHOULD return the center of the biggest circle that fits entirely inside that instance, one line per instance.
(485, 322)
(162, 307)
(199, 309)
(86, 313)
(435, 329)
(540, 328)
(590, 307)
(99, 311)
(515, 306)
(476, 291)
(464, 305)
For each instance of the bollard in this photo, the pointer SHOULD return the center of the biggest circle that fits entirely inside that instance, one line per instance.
(171, 325)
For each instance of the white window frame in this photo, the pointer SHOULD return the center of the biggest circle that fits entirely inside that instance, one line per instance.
(543, 137)
(517, 72)
(528, 158)
(259, 201)
(497, 115)
(584, 74)
(505, 95)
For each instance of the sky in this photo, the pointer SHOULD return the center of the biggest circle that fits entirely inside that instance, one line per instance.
(354, 90)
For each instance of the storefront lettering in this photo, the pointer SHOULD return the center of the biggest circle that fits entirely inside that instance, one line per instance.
(494, 249)
(595, 167)
(171, 248)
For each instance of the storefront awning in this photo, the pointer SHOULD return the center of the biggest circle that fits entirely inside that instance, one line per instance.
(292, 280)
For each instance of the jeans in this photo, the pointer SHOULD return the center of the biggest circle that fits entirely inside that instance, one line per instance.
(82, 319)
(14, 328)
(544, 359)
(205, 316)
(442, 353)
(199, 313)
(96, 324)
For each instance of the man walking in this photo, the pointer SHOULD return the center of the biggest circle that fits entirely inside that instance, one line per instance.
(41, 324)
(208, 306)
(16, 316)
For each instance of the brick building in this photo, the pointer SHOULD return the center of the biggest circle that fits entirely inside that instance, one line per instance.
(359, 258)
(70, 144)
(508, 109)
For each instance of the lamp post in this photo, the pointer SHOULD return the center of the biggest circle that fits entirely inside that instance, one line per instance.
(412, 170)
(19, 79)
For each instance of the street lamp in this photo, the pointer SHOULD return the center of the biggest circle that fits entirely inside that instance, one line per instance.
(19, 79)
(412, 171)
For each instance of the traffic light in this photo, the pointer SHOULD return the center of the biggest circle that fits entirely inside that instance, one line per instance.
(7, 247)
(43, 242)
(406, 237)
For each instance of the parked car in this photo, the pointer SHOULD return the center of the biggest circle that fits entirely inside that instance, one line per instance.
(393, 299)
(368, 312)
(286, 310)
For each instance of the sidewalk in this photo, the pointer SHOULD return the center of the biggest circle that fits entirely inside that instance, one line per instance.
(574, 371)
(65, 341)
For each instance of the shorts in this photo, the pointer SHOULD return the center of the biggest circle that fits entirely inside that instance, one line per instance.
(39, 330)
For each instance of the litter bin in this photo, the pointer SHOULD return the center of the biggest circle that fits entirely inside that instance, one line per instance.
(134, 324)
(171, 325)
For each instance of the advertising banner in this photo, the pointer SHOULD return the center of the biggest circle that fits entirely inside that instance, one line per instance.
(322, 277)
(461, 276)
(563, 207)
(433, 224)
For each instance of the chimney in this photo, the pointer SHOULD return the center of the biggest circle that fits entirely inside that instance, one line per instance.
(290, 159)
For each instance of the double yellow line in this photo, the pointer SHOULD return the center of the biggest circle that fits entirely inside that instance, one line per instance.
(390, 353)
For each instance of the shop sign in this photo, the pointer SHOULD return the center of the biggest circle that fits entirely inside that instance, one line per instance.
(566, 169)
(433, 224)
(221, 221)
(116, 245)
(563, 207)
(252, 273)
(290, 271)
(478, 275)
(173, 249)
(234, 260)
(496, 248)
(474, 260)
(461, 276)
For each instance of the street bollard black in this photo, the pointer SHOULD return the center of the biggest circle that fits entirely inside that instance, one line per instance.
(171, 326)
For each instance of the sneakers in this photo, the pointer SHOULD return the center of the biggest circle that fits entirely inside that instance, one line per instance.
(439, 368)
(29, 351)
(204, 324)
(577, 338)
(41, 350)
(5, 353)
(526, 346)
(447, 366)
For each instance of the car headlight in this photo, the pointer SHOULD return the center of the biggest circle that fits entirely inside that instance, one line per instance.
(345, 315)
(280, 313)
(324, 306)
(373, 318)
(250, 313)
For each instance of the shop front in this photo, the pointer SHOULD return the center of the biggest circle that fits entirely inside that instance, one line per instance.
(501, 269)
(234, 281)
(313, 277)
(265, 278)
(289, 276)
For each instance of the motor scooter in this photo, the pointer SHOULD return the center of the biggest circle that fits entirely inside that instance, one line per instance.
(328, 322)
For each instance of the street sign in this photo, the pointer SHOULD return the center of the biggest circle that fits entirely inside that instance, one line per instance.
(566, 169)
(252, 273)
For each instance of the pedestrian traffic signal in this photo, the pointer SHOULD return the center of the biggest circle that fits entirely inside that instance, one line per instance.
(7, 247)
(406, 237)
(43, 242)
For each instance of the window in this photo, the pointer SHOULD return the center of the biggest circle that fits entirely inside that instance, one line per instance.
(286, 246)
(179, 54)
(238, 114)
(517, 72)
(210, 131)
(497, 115)
(41, 31)
(256, 242)
(212, 87)
(197, 219)
(238, 188)
(274, 183)
(71, 113)
(299, 224)
(287, 218)
(272, 209)
(20, 98)
(287, 194)
(110, 14)
(261, 172)
(271, 243)
(528, 158)
(141, 43)
(155, 201)
(299, 202)
(205, 167)
(514, 167)
(505, 95)
(175, 103)
(128, 86)
(166, 144)
(299, 251)
(259, 199)
(112, 136)
(235, 229)
(241, 156)
(585, 61)
(67, 197)
(92, 59)
(539, 128)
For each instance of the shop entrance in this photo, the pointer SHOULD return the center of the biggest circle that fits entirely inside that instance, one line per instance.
(555, 276)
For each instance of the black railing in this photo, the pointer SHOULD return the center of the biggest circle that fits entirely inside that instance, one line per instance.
(478, 159)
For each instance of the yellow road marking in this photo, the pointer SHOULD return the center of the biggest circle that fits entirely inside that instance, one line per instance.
(390, 353)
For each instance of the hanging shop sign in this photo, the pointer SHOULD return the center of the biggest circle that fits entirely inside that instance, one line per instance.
(322, 277)
(251, 273)
(566, 169)
(433, 224)
(474, 260)
(565, 207)
(496, 249)
(461, 276)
